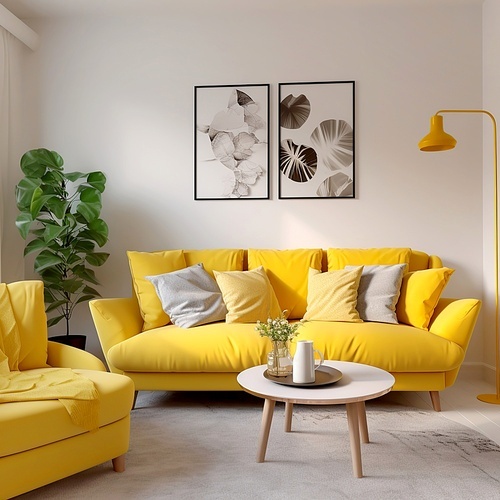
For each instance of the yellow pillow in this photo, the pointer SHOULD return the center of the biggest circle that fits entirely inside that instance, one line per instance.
(333, 296)
(248, 296)
(419, 295)
(338, 258)
(288, 272)
(150, 264)
(216, 259)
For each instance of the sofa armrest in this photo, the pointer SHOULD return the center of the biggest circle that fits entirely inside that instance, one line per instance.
(115, 320)
(65, 356)
(454, 319)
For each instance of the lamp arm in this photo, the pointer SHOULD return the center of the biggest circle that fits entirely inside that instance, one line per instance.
(495, 219)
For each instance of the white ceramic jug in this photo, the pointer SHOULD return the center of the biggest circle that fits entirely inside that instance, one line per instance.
(303, 362)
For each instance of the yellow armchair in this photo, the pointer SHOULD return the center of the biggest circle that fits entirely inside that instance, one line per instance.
(39, 436)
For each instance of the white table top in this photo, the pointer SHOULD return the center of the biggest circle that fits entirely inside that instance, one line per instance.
(358, 383)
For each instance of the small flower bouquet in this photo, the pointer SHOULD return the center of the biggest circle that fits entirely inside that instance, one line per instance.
(280, 332)
(278, 329)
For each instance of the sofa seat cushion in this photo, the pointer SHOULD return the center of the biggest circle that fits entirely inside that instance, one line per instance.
(396, 348)
(223, 348)
(216, 347)
(31, 424)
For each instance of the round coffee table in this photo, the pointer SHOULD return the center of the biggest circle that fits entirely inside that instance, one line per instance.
(359, 383)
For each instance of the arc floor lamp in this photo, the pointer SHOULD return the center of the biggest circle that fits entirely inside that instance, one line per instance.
(438, 140)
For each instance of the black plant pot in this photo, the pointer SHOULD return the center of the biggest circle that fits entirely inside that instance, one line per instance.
(72, 340)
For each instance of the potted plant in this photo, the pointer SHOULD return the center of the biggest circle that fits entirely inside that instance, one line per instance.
(61, 211)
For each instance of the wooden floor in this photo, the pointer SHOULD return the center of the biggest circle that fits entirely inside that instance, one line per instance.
(460, 403)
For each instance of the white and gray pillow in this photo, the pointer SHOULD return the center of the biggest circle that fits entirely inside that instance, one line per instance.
(190, 296)
(378, 292)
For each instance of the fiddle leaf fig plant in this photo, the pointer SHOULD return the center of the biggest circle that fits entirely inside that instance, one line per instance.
(60, 216)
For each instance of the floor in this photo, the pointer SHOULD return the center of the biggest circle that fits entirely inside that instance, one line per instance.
(459, 403)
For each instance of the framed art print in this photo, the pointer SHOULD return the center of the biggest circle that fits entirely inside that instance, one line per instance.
(231, 159)
(316, 140)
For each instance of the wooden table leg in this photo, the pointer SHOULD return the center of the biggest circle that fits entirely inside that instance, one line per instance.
(288, 417)
(363, 425)
(353, 423)
(265, 427)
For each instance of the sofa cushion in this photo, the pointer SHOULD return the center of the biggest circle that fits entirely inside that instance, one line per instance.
(338, 258)
(395, 348)
(217, 259)
(420, 292)
(288, 272)
(332, 296)
(378, 292)
(233, 347)
(144, 264)
(189, 296)
(31, 424)
(248, 295)
(215, 347)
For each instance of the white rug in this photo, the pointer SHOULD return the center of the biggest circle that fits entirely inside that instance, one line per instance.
(202, 446)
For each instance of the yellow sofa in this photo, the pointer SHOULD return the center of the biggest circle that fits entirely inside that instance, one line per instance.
(139, 341)
(39, 442)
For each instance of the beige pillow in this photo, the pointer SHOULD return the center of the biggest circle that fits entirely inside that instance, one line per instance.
(332, 296)
(248, 296)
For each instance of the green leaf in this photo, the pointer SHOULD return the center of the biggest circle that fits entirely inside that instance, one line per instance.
(99, 230)
(97, 258)
(97, 180)
(24, 192)
(53, 321)
(57, 205)
(89, 275)
(53, 277)
(91, 291)
(23, 224)
(35, 162)
(46, 259)
(34, 246)
(55, 305)
(84, 298)
(74, 176)
(83, 246)
(72, 285)
(52, 232)
(90, 204)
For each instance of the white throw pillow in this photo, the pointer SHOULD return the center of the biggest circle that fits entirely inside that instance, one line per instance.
(378, 292)
(190, 296)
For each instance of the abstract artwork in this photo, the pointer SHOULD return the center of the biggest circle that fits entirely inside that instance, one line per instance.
(231, 142)
(316, 140)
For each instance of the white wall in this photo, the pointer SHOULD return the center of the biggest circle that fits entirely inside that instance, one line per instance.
(116, 93)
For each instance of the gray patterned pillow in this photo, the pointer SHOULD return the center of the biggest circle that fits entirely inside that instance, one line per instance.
(190, 296)
(378, 292)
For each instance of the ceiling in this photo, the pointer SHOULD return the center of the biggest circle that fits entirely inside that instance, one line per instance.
(26, 9)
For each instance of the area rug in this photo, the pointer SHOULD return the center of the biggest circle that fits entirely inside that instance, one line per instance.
(203, 446)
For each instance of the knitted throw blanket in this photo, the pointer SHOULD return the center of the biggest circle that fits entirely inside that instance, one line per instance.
(77, 393)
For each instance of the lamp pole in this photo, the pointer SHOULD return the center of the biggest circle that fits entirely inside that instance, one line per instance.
(438, 140)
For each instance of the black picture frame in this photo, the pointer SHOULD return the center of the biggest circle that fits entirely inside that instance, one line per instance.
(231, 142)
(316, 140)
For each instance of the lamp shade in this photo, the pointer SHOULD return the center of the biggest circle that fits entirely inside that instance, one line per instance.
(437, 139)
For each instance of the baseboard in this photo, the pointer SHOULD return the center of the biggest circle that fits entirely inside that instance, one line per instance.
(478, 370)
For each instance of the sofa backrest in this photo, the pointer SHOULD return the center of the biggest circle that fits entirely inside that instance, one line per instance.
(26, 298)
(287, 270)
